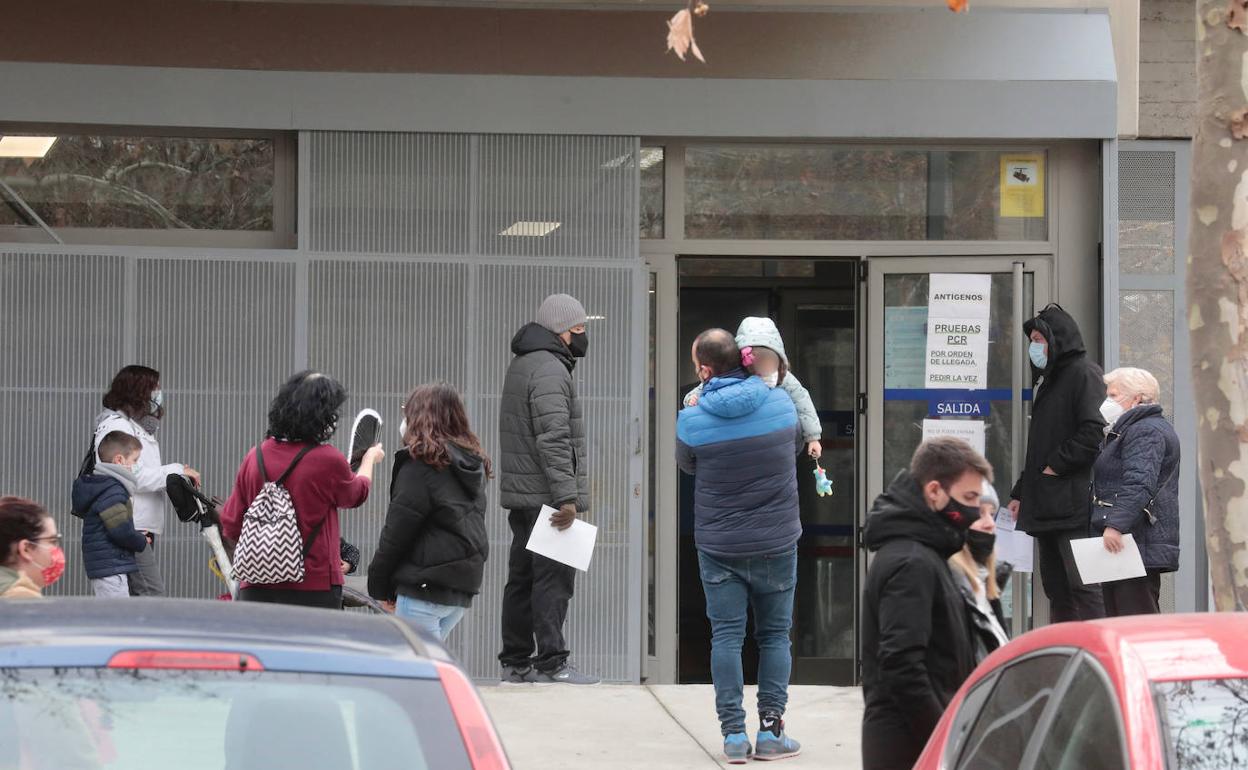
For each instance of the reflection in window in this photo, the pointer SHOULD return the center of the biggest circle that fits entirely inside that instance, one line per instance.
(142, 183)
(1010, 715)
(1205, 723)
(809, 192)
(651, 212)
(1085, 730)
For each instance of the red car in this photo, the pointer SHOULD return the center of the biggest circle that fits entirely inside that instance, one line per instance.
(1151, 692)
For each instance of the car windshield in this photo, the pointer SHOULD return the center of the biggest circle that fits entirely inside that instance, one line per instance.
(85, 718)
(1205, 723)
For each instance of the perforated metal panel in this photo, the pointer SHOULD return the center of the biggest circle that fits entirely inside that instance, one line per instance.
(1146, 185)
(60, 337)
(407, 280)
(391, 193)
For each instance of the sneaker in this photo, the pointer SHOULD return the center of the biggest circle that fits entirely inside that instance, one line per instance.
(566, 674)
(515, 676)
(737, 748)
(772, 743)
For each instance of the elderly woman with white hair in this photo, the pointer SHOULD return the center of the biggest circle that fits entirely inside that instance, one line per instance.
(1135, 488)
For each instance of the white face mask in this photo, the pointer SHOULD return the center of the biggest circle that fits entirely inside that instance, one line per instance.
(772, 379)
(1111, 410)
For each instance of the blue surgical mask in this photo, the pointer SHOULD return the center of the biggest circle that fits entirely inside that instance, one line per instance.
(1038, 355)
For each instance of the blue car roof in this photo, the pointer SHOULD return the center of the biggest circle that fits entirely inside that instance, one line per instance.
(81, 632)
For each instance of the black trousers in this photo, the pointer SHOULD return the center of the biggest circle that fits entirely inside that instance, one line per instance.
(331, 599)
(1137, 596)
(1069, 598)
(535, 602)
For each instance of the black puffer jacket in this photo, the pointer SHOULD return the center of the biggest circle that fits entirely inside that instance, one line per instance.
(916, 638)
(540, 426)
(433, 545)
(1140, 463)
(1065, 432)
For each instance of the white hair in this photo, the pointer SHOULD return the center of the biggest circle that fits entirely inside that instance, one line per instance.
(1135, 382)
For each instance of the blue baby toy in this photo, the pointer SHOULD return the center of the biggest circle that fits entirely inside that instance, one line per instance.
(823, 484)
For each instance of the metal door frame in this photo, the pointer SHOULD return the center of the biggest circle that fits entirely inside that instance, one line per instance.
(872, 363)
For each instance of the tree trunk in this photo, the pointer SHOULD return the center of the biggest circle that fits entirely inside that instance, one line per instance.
(1217, 292)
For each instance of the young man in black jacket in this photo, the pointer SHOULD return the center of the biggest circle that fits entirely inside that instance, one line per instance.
(1051, 500)
(916, 637)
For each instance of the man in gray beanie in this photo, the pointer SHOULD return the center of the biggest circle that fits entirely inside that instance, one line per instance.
(543, 463)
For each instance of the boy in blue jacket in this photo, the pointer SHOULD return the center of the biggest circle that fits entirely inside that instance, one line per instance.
(109, 538)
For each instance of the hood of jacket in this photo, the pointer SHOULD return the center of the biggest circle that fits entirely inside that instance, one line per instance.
(1061, 331)
(759, 332)
(119, 472)
(534, 337)
(733, 394)
(91, 487)
(467, 468)
(901, 513)
(1132, 416)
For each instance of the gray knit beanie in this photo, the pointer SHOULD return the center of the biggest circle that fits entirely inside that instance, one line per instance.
(560, 312)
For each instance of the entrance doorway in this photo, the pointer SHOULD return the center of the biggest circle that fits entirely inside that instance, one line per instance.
(815, 305)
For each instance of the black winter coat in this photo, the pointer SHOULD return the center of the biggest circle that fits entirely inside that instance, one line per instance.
(433, 545)
(916, 638)
(1139, 464)
(540, 426)
(1065, 432)
(109, 539)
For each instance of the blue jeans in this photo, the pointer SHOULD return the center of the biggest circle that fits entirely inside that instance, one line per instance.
(437, 619)
(765, 584)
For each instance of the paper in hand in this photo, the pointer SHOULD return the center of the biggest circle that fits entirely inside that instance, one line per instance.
(1014, 546)
(1097, 565)
(573, 546)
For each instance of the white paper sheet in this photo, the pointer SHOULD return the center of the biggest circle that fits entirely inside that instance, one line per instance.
(1013, 546)
(970, 431)
(573, 546)
(1097, 565)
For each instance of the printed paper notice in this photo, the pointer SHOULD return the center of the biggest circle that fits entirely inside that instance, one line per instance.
(573, 546)
(905, 343)
(957, 331)
(1097, 565)
(970, 431)
(1013, 546)
(1022, 184)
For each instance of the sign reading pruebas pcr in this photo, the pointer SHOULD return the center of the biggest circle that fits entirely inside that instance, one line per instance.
(957, 331)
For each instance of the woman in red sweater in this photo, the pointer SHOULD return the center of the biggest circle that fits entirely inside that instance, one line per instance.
(304, 414)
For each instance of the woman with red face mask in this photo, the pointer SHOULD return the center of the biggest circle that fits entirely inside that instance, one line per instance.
(31, 558)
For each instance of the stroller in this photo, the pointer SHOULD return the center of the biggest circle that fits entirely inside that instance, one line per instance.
(192, 506)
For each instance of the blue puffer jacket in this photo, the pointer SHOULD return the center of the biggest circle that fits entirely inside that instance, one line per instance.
(109, 539)
(740, 444)
(1140, 462)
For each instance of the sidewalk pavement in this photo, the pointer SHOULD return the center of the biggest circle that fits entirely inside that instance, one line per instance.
(662, 726)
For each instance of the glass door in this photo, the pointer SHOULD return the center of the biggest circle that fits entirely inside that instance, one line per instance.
(902, 407)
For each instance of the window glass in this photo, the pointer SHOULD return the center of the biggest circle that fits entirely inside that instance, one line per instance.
(1085, 731)
(651, 212)
(207, 720)
(819, 192)
(967, 711)
(139, 182)
(1204, 723)
(1010, 715)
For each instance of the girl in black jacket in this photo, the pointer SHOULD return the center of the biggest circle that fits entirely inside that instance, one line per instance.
(431, 556)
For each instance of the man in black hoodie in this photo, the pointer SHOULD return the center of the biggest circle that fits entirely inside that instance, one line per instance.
(916, 637)
(542, 432)
(1051, 500)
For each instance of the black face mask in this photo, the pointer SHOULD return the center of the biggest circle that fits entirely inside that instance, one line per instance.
(578, 345)
(960, 515)
(980, 544)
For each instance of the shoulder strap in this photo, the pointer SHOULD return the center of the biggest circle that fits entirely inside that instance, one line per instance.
(264, 475)
(294, 462)
(307, 544)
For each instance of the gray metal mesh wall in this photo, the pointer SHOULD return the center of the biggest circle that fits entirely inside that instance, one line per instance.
(404, 279)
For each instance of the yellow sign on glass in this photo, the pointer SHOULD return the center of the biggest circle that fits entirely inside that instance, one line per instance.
(1022, 185)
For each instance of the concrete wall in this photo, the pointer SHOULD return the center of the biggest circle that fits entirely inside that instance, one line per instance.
(1167, 68)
